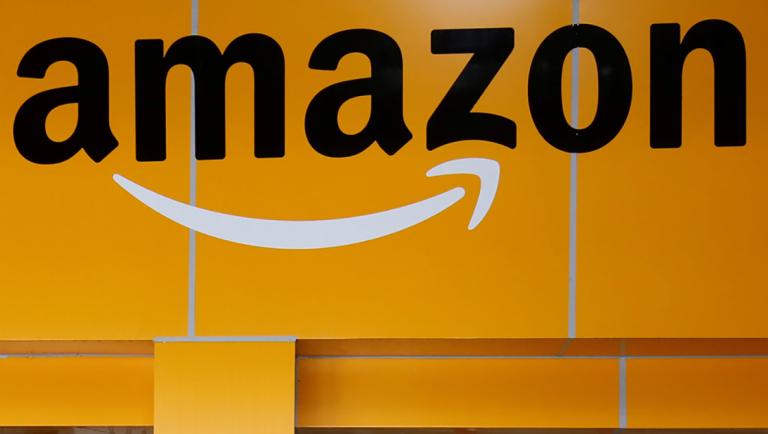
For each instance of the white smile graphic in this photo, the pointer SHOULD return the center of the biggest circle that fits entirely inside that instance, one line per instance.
(317, 234)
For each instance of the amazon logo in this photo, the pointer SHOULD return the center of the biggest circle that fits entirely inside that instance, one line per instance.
(453, 119)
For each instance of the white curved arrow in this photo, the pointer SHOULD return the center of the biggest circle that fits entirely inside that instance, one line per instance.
(316, 234)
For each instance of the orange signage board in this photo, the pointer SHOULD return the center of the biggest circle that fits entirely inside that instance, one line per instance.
(672, 242)
(506, 277)
(79, 260)
(380, 169)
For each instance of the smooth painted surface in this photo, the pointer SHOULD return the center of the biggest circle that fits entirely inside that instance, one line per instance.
(697, 393)
(672, 242)
(580, 347)
(235, 388)
(77, 347)
(460, 392)
(80, 260)
(506, 278)
(198, 386)
(76, 391)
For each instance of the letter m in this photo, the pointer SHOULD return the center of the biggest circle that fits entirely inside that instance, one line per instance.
(209, 68)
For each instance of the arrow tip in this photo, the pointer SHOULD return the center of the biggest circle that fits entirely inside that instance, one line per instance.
(486, 169)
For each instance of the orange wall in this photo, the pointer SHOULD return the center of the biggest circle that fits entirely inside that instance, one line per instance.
(669, 242)
(199, 385)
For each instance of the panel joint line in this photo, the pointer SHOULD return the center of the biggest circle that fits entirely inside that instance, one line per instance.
(573, 184)
(192, 254)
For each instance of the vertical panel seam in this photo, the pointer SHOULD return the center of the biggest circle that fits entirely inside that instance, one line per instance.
(573, 181)
(622, 392)
(192, 254)
(295, 387)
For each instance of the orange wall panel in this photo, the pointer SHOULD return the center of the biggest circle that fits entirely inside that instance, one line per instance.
(697, 393)
(235, 388)
(81, 259)
(457, 392)
(506, 278)
(672, 242)
(76, 391)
